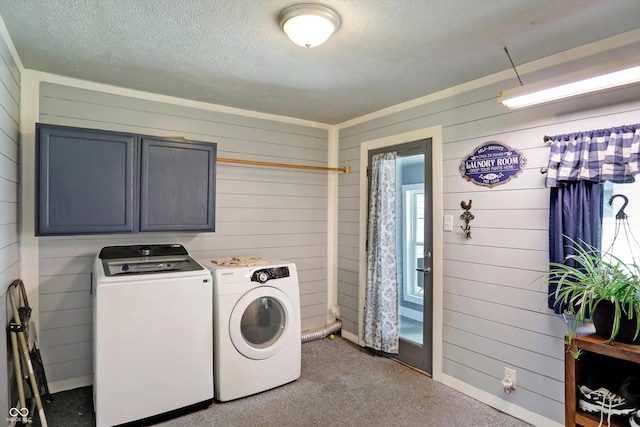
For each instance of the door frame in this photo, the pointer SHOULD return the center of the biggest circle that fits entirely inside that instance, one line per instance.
(435, 133)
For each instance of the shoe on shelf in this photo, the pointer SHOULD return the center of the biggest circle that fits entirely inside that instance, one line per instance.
(630, 390)
(604, 401)
(634, 420)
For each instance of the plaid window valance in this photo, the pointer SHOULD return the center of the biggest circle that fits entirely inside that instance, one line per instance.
(598, 155)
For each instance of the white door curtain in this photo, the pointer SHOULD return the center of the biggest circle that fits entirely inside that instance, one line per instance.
(380, 326)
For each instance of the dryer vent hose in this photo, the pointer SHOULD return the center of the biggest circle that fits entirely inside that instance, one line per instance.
(322, 331)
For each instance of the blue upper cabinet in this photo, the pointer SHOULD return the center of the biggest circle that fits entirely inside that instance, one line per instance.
(91, 181)
(177, 185)
(85, 181)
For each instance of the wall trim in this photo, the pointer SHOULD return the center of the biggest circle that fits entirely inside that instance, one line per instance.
(350, 337)
(117, 90)
(29, 250)
(333, 310)
(500, 404)
(435, 133)
(70, 384)
(12, 48)
(584, 51)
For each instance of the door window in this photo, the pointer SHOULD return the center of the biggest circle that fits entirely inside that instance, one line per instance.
(413, 207)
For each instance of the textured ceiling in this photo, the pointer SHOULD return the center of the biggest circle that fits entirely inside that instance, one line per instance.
(233, 53)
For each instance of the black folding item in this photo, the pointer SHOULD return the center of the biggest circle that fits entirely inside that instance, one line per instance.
(28, 362)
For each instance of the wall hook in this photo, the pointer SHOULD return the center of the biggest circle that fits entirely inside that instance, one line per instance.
(466, 216)
(621, 214)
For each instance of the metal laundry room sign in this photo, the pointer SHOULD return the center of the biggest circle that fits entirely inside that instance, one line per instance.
(492, 163)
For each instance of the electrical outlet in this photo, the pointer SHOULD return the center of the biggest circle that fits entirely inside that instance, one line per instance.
(510, 374)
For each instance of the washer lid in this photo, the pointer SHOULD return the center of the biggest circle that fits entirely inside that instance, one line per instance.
(133, 251)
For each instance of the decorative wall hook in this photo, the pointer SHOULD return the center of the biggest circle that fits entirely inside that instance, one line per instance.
(466, 216)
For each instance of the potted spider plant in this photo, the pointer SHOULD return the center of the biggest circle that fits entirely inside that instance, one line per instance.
(600, 286)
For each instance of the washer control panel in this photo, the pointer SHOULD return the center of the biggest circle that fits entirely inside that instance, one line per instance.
(265, 274)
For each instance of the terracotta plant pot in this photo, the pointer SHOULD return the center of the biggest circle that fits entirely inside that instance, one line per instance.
(603, 321)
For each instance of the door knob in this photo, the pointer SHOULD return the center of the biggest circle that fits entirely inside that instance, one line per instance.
(426, 270)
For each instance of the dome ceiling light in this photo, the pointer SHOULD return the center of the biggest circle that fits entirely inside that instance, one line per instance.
(308, 25)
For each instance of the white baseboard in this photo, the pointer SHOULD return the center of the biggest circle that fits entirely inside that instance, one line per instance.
(350, 337)
(70, 384)
(500, 404)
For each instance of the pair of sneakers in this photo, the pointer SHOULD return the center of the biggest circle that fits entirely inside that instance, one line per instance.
(606, 402)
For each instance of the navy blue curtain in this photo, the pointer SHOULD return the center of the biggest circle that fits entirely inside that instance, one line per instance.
(578, 165)
(575, 211)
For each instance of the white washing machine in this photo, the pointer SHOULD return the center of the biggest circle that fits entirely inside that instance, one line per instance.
(153, 338)
(256, 323)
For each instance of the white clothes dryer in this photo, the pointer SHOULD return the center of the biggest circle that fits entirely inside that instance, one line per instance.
(256, 328)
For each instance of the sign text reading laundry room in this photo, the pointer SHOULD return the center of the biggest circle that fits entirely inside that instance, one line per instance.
(492, 163)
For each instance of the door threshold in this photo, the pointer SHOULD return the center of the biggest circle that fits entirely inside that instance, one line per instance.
(411, 367)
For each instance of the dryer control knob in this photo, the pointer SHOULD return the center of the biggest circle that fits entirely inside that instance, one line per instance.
(262, 277)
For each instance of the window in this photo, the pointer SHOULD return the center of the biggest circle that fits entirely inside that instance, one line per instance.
(413, 203)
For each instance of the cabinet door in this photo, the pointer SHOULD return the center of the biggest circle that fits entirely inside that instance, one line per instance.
(177, 185)
(85, 181)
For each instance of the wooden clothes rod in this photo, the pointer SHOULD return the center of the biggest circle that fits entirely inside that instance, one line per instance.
(345, 169)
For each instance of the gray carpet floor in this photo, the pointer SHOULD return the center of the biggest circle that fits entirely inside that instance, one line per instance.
(341, 385)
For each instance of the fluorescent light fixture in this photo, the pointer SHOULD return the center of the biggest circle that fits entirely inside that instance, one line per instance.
(601, 78)
(308, 25)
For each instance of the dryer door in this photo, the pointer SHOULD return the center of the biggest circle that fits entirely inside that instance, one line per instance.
(260, 323)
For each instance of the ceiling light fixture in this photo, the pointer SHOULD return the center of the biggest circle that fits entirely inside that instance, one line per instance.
(596, 79)
(308, 25)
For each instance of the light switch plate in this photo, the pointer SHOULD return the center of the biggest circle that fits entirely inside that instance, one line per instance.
(448, 223)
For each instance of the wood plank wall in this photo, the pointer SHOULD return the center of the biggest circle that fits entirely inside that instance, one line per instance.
(9, 199)
(494, 309)
(267, 212)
